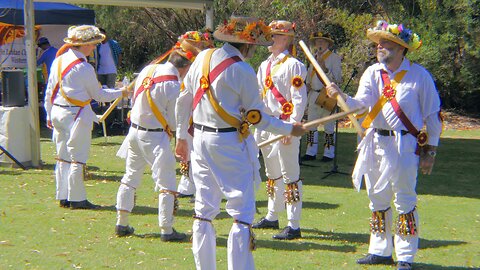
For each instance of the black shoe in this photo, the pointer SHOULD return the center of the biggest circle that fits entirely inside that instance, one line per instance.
(326, 159)
(85, 204)
(404, 266)
(375, 259)
(174, 236)
(121, 231)
(64, 203)
(288, 233)
(308, 157)
(266, 224)
(181, 195)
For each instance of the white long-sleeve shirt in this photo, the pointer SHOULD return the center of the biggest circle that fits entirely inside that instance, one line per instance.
(79, 83)
(235, 89)
(164, 95)
(282, 78)
(416, 94)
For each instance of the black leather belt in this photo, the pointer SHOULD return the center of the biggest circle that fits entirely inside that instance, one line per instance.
(147, 129)
(65, 106)
(386, 132)
(210, 129)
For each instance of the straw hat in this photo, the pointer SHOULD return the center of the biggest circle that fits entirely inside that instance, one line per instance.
(244, 30)
(283, 28)
(84, 35)
(188, 49)
(320, 35)
(396, 33)
(199, 39)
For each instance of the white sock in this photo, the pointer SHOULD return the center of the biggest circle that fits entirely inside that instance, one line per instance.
(122, 218)
(166, 230)
(271, 216)
(295, 224)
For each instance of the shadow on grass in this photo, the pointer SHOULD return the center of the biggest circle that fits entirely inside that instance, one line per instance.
(10, 172)
(147, 210)
(106, 144)
(455, 163)
(426, 244)
(292, 245)
(305, 204)
(315, 234)
(427, 266)
(157, 236)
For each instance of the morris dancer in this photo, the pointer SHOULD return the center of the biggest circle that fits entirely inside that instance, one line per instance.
(402, 98)
(319, 104)
(152, 123)
(281, 79)
(71, 86)
(221, 89)
(186, 187)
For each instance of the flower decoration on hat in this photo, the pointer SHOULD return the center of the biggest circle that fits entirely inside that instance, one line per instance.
(283, 28)
(396, 33)
(198, 38)
(297, 81)
(84, 35)
(287, 108)
(244, 30)
(254, 117)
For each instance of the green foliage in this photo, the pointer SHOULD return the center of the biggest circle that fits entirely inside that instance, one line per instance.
(450, 30)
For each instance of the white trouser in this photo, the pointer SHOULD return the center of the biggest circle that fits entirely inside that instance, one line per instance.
(316, 112)
(152, 148)
(223, 167)
(402, 179)
(186, 185)
(72, 138)
(282, 165)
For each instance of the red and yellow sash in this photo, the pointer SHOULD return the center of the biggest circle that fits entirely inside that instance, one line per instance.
(204, 88)
(58, 85)
(287, 106)
(147, 85)
(388, 94)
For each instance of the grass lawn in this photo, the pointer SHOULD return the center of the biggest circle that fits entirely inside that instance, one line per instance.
(35, 233)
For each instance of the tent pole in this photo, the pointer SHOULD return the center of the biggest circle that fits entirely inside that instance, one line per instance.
(209, 17)
(29, 16)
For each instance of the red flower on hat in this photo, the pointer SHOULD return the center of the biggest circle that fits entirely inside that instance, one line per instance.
(297, 81)
(204, 83)
(189, 55)
(268, 81)
(389, 92)
(147, 83)
(287, 108)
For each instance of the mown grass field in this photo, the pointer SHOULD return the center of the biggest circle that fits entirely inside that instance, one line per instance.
(37, 234)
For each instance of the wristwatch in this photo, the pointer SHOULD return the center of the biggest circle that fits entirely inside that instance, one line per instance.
(432, 153)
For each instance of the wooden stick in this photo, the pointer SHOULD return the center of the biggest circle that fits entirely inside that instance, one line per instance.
(341, 102)
(157, 60)
(314, 123)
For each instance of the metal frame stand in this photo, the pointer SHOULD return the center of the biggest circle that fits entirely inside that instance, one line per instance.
(4, 151)
(334, 169)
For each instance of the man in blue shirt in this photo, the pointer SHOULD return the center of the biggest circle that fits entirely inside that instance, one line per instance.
(47, 56)
(109, 56)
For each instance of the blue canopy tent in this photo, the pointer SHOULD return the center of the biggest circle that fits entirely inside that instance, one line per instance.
(11, 12)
